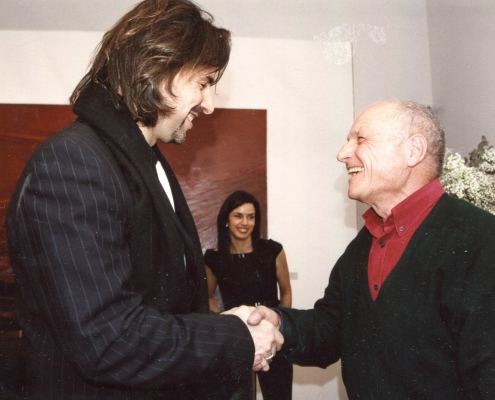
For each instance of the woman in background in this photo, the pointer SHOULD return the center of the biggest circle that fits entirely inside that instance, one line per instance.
(247, 270)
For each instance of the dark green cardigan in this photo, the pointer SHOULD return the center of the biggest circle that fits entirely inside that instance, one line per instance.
(430, 334)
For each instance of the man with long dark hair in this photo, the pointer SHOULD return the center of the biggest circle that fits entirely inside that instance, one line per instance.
(112, 291)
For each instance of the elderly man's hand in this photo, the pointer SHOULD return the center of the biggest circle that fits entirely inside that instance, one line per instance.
(261, 313)
(266, 337)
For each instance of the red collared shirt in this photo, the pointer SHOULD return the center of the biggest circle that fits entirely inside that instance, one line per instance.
(391, 236)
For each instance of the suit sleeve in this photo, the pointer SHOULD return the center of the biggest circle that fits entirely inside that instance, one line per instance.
(68, 228)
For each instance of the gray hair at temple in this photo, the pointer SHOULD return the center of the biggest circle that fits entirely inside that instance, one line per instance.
(417, 118)
(150, 45)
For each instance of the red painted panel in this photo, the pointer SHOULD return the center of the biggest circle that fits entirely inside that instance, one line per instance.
(225, 151)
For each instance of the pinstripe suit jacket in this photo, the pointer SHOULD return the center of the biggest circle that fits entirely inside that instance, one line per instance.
(104, 298)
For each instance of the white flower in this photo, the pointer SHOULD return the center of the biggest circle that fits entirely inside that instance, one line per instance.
(474, 184)
(487, 163)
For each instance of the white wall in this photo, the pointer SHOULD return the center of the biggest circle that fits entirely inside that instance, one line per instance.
(306, 62)
(462, 37)
(399, 69)
(43, 67)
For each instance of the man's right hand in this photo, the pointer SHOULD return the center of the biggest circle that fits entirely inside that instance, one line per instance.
(266, 337)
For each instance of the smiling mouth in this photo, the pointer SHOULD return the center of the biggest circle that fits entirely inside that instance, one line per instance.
(196, 111)
(354, 170)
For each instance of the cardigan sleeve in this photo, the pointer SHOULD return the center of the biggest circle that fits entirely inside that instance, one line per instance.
(312, 337)
(473, 321)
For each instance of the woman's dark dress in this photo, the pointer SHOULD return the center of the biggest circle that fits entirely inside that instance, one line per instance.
(251, 279)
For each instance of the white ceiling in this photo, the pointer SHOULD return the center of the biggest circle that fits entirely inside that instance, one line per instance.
(285, 19)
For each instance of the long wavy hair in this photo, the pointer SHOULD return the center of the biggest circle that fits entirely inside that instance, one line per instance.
(148, 47)
(234, 200)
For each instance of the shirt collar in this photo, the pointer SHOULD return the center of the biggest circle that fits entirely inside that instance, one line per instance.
(407, 212)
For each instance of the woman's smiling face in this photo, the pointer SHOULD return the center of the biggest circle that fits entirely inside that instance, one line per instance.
(241, 221)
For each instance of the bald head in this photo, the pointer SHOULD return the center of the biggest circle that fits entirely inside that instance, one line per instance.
(408, 118)
(392, 149)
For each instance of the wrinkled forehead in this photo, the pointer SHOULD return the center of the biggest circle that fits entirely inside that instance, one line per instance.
(379, 119)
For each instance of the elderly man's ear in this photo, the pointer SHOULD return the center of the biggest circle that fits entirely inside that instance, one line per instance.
(417, 148)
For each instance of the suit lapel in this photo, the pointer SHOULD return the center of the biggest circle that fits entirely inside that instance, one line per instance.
(159, 235)
(187, 228)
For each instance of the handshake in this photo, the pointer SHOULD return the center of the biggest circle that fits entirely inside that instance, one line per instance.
(263, 324)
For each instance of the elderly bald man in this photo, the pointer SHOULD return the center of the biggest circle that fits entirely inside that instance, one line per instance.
(410, 305)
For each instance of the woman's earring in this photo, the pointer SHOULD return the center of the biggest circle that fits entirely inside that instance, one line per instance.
(227, 224)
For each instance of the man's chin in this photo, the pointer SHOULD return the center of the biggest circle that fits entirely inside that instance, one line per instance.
(179, 136)
(353, 195)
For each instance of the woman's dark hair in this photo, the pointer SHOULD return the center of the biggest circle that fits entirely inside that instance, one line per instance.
(233, 201)
(149, 46)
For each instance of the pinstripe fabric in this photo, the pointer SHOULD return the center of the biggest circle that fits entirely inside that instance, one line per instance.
(99, 324)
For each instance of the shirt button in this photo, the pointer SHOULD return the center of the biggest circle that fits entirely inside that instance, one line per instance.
(382, 244)
(401, 229)
(375, 288)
